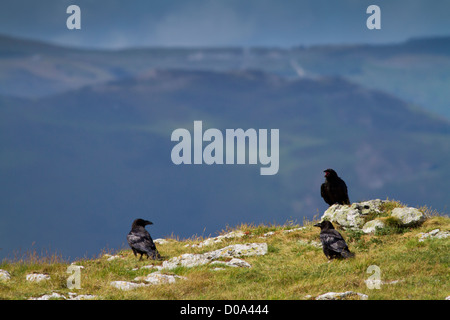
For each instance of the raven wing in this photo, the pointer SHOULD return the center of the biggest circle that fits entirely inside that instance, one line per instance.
(325, 193)
(342, 192)
(141, 241)
(333, 240)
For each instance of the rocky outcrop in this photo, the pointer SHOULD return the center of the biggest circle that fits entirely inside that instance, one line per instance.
(353, 216)
(366, 216)
(236, 250)
(434, 234)
(190, 260)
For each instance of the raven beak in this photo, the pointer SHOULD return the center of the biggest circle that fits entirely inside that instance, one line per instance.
(317, 225)
(148, 222)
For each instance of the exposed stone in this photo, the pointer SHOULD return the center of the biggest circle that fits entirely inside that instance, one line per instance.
(161, 241)
(4, 275)
(37, 277)
(236, 250)
(342, 296)
(126, 285)
(187, 260)
(408, 216)
(235, 262)
(54, 295)
(151, 279)
(158, 278)
(356, 215)
(214, 240)
(111, 258)
(434, 234)
(372, 226)
(268, 234)
(352, 216)
(72, 296)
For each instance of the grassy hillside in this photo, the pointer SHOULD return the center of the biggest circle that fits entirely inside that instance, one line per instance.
(294, 267)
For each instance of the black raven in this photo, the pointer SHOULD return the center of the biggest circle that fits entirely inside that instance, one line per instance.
(334, 246)
(334, 189)
(140, 241)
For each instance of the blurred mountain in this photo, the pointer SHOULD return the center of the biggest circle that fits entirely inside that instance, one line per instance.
(416, 71)
(77, 167)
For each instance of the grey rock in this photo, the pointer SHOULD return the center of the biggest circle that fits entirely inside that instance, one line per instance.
(342, 296)
(161, 241)
(72, 296)
(126, 285)
(408, 216)
(214, 240)
(372, 226)
(53, 295)
(434, 234)
(187, 260)
(158, 278)
(236, 250)
(352, 216)
(111, 258)
(235, 262)
(37, 277)
(4, 275)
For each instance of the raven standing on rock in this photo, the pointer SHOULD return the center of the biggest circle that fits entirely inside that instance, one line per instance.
(140, 241)
(334, 189)
(333, 244)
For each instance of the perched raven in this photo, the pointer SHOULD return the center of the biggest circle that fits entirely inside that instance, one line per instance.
(333, 244)
(334, 189)
(140, 241)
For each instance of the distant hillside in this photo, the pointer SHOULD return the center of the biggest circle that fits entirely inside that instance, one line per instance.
(416, 71)
(78, 167)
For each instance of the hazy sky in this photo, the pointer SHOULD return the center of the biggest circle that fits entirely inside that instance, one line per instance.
(125, 23)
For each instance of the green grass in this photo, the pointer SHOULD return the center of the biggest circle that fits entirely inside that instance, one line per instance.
(292, 269)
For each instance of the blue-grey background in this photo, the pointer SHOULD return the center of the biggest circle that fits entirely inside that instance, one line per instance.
(86, 115)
